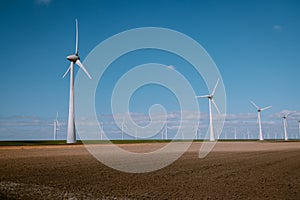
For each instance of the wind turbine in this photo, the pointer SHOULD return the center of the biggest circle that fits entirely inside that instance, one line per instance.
(197, 134)
(210, 102)
(285, 125)
(166, 131)
(56, 126)
(248, 136)
(136, 135)
(123, 129)
(259, 119)
(234, 133)
(74, 59)
(101, 131)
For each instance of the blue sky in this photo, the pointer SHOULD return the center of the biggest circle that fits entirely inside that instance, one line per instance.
(255, 44)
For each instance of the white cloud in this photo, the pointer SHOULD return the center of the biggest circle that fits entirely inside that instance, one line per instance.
(32, 127)
(277, 27)
(43, 2)
(171, 67)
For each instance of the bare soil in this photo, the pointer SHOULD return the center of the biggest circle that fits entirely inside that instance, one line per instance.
(233, 170)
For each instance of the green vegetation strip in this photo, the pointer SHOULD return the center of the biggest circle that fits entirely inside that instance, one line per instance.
(63, 142)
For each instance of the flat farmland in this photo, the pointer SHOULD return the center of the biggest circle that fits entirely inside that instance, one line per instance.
(233, 170)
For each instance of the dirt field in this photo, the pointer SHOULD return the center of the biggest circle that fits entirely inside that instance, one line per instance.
(234, 170)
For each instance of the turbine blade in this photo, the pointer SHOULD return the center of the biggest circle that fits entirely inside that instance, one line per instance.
(83, 68)
(266, 108)
(254, 104)
(58, 124)
(68, 70)
(76, 47)
(203, 96)
(290, 113)
(212, 100)
(214, 90)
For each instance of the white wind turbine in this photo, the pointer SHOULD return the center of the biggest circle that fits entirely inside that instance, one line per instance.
(56, 126)
(259, 118)
(234, 133)
(166, 131)
(211, 101)
(74, 59)
(248, 135)
(123, 126)
(136, 135)
(285, 125)
(101, 131)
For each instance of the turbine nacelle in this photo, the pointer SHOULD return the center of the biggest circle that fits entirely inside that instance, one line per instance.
(73, 58)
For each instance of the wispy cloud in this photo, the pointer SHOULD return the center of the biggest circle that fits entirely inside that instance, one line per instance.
(43, 2)
(32, 127)
(277, 27)
(171, 67)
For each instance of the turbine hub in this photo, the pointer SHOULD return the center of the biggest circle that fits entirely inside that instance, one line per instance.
(73, 58)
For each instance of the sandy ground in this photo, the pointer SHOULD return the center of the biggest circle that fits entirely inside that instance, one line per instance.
(233, 170)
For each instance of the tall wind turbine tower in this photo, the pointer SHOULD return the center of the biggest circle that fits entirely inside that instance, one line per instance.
(259, 118)
(235, 133)
(56, 127)
(74, 59)
(210, 102)
(166, 131)
(285, 126)
(101, 131)
(122, 129)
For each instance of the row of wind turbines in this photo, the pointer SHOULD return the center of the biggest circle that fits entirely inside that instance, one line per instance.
(71, 132)
(259, 110)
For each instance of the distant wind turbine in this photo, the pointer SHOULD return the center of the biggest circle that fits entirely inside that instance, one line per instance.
(166, 131)
(248, 135)
(259, 118)
(56, 126)
(211, 101)
(101, 131)
(234, 133)
(123, 126)
(136, 135)
(285, 125)
(74, 59)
